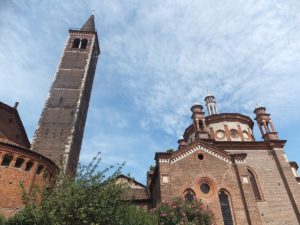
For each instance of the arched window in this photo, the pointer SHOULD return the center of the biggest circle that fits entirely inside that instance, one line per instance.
(189, 195)
(6, 160)
(254, 185)
(19, 162)
(84, 43)
(201, 125)
(76, 43)
(39, 170)
(225, 208)
(28, 166)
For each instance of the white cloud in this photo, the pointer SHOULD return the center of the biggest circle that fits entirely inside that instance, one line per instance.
(157, 58)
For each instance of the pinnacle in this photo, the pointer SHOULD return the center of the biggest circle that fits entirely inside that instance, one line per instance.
(89, 25)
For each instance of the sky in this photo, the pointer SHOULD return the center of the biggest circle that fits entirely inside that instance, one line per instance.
(157, 59)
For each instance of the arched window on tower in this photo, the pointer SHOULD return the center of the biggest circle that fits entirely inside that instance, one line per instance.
(211, 110)
(84, 43)
(76, 43)
(201, 125)
(254, 185)
(225, 208)
(189, 195)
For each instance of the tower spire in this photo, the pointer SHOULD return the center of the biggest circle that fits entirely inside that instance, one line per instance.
(89, 25)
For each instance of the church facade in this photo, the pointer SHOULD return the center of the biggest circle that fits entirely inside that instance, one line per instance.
(218, 160)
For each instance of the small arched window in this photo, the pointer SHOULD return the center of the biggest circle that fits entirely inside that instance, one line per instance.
(254, 185)
(76, 43)
(6, 160)
(225, 208)
(19, 162)
(189, 195)
(84, 43)
(28, 166)
(39, 170)
(201, 125)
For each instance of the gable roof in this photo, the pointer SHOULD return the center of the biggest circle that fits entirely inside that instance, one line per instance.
(19, 125)
(129, 179)
(195, 146)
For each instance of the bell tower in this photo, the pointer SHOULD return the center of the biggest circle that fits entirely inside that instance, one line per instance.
(61, 125)
(265, 124)
(199, 121)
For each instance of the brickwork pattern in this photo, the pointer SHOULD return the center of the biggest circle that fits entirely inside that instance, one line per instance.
(11, 176)
(61, 126)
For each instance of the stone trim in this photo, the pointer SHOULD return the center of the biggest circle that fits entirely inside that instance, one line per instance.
(192, 150)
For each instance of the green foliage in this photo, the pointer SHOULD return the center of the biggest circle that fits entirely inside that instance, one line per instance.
(90, 198)
(138, 216)
(94, 198)
(3, 221)
(170, 150)
(180, 212)
(152, 168)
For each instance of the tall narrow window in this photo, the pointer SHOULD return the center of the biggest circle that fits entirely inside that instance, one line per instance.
(84, 43)
(76, 43)
(39, 169)
(254, 185)
(225, 208)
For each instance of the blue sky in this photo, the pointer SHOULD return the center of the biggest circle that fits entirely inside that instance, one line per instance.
(157, 59)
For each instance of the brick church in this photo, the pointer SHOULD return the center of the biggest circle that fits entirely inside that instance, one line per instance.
(218, 160)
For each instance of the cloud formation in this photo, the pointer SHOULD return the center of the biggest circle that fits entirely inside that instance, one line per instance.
(157, 59)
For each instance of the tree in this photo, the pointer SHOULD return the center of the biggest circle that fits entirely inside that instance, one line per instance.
(91, 198)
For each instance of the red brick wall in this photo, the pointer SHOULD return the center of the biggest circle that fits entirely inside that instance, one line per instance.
(10, 177)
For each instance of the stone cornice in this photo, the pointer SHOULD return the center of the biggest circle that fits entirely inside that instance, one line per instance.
(249, 145)
(229, 117)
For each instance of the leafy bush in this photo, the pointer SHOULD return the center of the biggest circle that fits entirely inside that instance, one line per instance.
(90, 198)
(181, 212)
(93, 198)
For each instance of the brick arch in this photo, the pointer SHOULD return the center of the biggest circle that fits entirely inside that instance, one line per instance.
(253, 180)
(189, 191)
(11, 176)
(226, 207)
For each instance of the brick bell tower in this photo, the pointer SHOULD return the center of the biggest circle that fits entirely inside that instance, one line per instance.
(61, 126)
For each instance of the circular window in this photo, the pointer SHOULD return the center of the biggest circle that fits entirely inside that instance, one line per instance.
(234, 133)
(205, 188)
(220, 134)
(200, 156)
